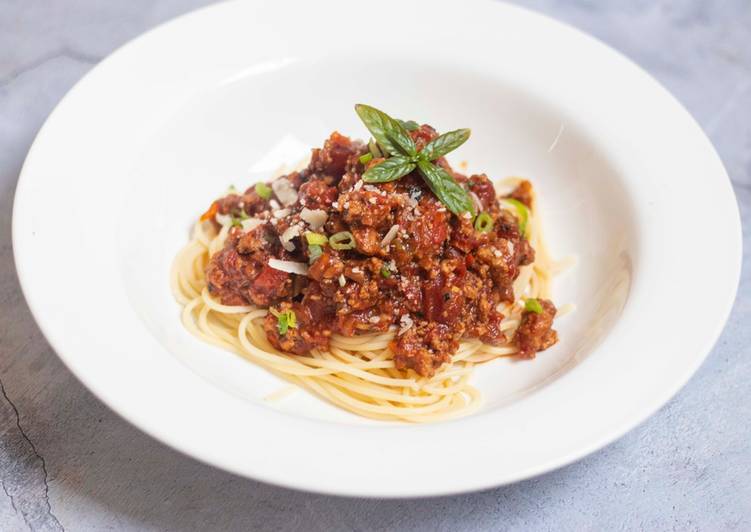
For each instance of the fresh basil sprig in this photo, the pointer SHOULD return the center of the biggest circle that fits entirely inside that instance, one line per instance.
(392, 136)
(389, 133)
(451, 193)
(389, 170)
(440, 146)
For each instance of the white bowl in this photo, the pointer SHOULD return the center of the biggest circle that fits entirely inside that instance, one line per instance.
(137, 150)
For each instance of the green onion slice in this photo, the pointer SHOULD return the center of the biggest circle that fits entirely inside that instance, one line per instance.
(365, 159)
(385, 272)
(342, 240)
(263, 190)
(522, 211)
(315, 239)
(484, 222)
(284, 320)
(314, 251)
(532, 305)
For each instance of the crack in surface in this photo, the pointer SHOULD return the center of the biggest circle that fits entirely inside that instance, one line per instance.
(36, 454)
(12, 501)
(65, 52)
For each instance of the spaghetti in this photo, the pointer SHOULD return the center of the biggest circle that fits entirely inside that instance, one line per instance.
(356, 373)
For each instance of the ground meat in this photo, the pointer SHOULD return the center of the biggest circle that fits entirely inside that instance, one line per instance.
(437, 279)
(332, 159)
(535, 333)
(299, 339)
(523, 193)
(424, 347)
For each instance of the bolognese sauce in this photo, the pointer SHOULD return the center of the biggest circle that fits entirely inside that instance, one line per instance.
(368, 257)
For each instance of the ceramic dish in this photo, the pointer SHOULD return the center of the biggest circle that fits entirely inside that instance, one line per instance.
(628, 182)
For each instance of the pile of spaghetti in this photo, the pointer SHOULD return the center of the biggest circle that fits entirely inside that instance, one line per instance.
(376, 277)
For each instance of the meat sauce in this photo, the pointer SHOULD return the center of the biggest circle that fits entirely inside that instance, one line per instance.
(438, 279)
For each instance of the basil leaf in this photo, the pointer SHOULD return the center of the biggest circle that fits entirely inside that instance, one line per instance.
(388, 132)
(451, 194)
(440, 146)
(389, 170)
(409, 125)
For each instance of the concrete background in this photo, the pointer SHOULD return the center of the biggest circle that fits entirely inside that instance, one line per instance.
(67, 461)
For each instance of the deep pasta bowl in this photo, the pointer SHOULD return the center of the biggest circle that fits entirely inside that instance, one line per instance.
(227, 94)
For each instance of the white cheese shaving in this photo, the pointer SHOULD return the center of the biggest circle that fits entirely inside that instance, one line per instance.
(251, 223)
(342, 280)
(274, 204)
(406, 324)
(374, 319)
(390, 235)
(476, 201)
(288, 235)
(315, 217)
(284, 190)
(223, 219)
(281, 213)
(358, 185)
(289, 266)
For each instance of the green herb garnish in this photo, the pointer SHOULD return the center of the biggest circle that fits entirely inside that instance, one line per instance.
(315, 239)
(385, 272)
(263, 190)
(365, 159)
(314, 251)
(389, 170)
(533, 305)
(484, 222)
(284, 320)
(392, 136)
(522, 211)
(342, 240)
(375, 149)
(409, 125)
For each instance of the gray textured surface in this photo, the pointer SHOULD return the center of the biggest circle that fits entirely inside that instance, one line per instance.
(67, 461)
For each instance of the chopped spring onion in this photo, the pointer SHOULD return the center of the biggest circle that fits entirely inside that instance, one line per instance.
(315, 239)
(231, 189)
(365, 159)
(285, 320)
(532, 305)
(263, 190)
(375, 150)
(342, 240)
(522, 211)
(314, 251)
(385, 272)
(484, 222)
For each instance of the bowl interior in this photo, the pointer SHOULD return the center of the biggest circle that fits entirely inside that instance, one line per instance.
(245, 128)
